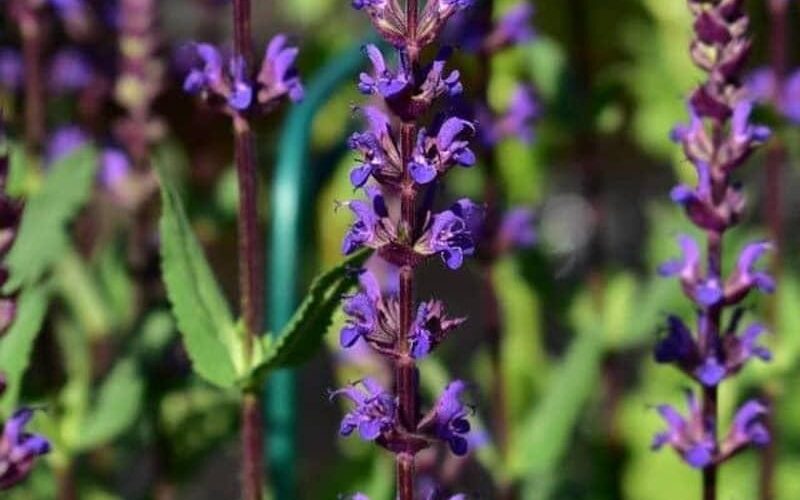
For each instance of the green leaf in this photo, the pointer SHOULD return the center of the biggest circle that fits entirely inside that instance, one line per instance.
(118, 404)
(43, 232)
(17, 344)
(204, 318)
(303, 335)
(545, 433)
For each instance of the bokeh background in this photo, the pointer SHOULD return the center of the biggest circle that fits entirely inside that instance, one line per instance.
(581, 310)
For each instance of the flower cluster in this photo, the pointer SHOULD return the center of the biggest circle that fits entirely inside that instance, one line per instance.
(227, 81)
(399, 158)
(717, 140)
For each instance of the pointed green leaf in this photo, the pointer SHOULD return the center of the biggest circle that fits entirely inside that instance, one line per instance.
(17, 344)
(202, 313)
(118, 404)
(545, 433)
(303, 335)
(43, 231)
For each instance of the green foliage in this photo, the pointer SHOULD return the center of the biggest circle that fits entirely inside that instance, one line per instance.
(43, 236)
(210, 334)
(303, 335)
(16, 345)
(546, 432)
(117, 406)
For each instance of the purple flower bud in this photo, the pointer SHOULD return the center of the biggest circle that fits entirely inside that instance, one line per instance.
(374, 412)
(11, 69)
(678, 345)
(241, 93)
(278, 75)
(70, 71)
(436, 84)
(19, 449)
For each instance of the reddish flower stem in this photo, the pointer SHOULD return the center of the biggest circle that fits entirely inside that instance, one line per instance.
(31, 31)
(250, 264)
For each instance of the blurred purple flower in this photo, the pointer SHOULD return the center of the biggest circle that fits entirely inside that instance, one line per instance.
(278, 76)
(11, 69)
(746, 277)
(704, 291)
(64, 141)
(691, 437)
(115, 167)
(747, 428)
(19, 449)
(523, 110)
(517, 229)
(70, 71)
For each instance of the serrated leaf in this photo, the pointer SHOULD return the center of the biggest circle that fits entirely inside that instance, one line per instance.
(545, 433)
(43, 231)
(202, 313)
(303, 335)
(118, 404)
(17, 344)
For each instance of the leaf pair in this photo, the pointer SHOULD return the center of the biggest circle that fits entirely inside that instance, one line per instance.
(213, 340)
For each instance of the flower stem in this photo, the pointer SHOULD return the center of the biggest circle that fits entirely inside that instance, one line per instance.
(30, 27)
(709, 338)
(250, 264)
(252, 446)
(405, 476)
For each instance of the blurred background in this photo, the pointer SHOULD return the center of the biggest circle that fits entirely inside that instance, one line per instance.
(563, 395)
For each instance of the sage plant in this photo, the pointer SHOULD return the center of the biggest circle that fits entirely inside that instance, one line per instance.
(232, 85)
(717, 141)
(405, 156)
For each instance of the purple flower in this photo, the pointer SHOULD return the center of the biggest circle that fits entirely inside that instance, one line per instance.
(693, 136)
(374, 412)
(211, 80)
(65, 141)
(704, 291)
(11, 69)
(383, 81)
(747, 428)
(278, 76)
(19, 449)
(379, 154)
(362, 311)
(746, 276)
(437, 84)
(448, 234)
(372, 227)
(70, 71)
(517, 121)
(115, 167)
(434, 156)
(517, 229)
(430, 327)
(722, 360)
(691, 437)
(449, 418)
(790, 98)
(514, 27)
